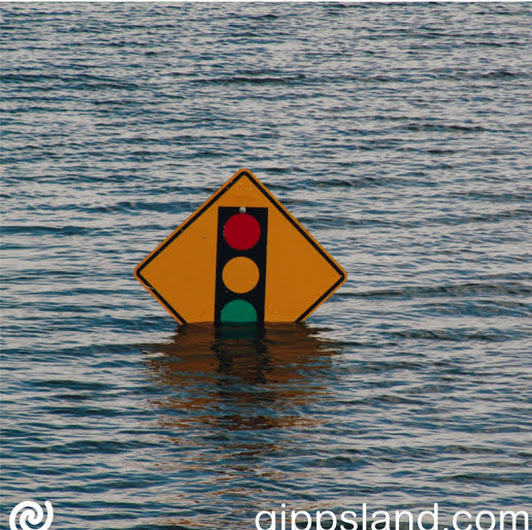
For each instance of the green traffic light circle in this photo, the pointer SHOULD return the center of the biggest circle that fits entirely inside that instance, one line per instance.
(238, 311)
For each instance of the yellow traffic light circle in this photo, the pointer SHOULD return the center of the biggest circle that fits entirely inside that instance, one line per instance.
(240, 274)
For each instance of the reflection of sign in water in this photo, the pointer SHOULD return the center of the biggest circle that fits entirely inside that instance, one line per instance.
(241, 257)
(256, 382)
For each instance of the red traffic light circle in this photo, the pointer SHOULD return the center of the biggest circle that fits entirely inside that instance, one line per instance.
(242, 231)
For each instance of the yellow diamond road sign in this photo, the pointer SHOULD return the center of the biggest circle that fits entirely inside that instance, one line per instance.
(241, 257)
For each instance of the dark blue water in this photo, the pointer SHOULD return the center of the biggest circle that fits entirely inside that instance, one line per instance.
(399, 135)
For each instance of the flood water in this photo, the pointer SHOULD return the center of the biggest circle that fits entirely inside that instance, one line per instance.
(398, 135)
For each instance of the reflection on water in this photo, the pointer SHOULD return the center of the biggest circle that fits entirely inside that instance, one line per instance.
(233, 402)
(241, 377)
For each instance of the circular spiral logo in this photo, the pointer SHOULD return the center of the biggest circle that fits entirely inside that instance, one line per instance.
(32, 513)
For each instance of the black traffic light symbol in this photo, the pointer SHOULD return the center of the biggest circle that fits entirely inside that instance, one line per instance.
(240, 264)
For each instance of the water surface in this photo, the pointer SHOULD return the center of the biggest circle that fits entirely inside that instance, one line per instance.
(399, 135)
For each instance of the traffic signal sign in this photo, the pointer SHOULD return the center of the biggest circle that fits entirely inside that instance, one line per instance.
(241, 264)
(241, 257)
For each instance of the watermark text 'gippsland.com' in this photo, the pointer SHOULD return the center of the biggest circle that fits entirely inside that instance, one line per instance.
(365, 519)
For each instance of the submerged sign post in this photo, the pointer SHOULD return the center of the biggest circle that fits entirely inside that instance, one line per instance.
(240, 258)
